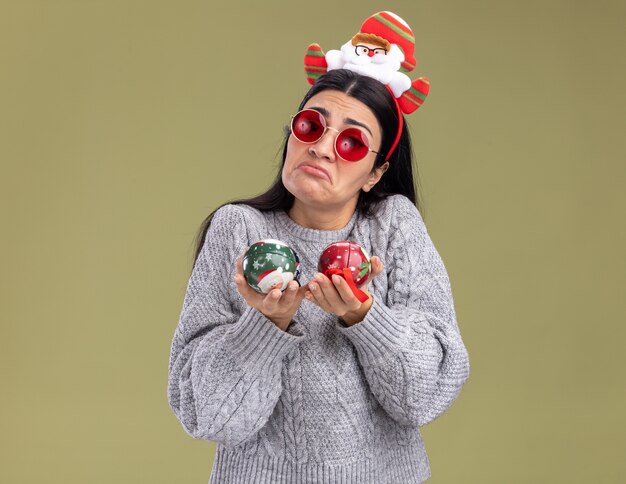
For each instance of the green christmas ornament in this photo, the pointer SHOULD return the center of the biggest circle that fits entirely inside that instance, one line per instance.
(269, 264)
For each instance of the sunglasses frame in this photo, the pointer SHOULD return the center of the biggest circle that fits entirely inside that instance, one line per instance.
(326, 127)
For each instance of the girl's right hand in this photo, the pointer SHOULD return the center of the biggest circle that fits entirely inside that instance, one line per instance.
(277, 306)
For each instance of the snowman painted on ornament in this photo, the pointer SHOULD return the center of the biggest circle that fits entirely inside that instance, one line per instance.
(382, 49)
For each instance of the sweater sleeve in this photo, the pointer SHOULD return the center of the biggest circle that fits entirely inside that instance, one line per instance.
(410, 347)
(225, 364)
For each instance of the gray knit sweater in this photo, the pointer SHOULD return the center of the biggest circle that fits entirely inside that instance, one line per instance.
(320, 402)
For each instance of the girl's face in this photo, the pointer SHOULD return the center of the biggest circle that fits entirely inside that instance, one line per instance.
(314, 173)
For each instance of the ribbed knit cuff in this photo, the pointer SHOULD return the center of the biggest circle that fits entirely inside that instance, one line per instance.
(379, 335)
(256, 342)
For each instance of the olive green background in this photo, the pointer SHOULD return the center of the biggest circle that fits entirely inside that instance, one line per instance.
(124, 123)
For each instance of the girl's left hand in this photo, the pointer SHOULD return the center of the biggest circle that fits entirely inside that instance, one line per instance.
(335, 296)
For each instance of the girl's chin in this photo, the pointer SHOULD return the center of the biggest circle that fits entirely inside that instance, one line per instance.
(312, 185)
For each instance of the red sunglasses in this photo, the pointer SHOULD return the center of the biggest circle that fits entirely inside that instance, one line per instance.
(351, 144)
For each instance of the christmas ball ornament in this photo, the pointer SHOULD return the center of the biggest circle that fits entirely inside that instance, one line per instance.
(349, 260)
(270, 264)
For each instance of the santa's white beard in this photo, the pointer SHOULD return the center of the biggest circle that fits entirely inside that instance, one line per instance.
(380, 72)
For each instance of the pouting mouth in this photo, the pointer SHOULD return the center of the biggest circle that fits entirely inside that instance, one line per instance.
(317, 167)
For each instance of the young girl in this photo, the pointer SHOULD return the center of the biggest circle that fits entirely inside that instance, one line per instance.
(311, 384)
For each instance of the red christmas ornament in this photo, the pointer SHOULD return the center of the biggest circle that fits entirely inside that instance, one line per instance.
(350, 261)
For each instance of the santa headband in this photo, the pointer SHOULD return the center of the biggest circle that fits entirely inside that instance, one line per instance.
(382, 49)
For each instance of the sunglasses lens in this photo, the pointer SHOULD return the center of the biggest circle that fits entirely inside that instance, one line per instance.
(308, 126)
(352, 145)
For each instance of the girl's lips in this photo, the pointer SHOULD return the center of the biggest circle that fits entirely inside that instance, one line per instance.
(315, 170)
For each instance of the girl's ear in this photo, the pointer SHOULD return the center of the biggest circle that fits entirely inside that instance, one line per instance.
(375, 176)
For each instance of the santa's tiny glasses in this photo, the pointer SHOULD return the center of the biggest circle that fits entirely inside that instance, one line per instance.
(361, 49)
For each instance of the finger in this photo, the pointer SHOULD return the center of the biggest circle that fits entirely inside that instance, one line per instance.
(303, 290)
(376, 269)
(306, 292)
(345, 292)
(310, 295)
(239, 261)
(377, 266)
(290, 294)
(317, 296)
(239, 265)
(270, 302)
(328, 296)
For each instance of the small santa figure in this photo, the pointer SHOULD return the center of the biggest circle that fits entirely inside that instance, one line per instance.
(372, 56)
(382, 49)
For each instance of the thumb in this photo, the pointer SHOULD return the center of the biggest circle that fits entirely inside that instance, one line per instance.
(376, 269)
(377, 266)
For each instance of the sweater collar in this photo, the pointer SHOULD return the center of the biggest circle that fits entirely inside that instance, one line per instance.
(284, 222)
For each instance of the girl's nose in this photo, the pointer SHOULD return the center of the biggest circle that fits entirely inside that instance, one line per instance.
(325, 146)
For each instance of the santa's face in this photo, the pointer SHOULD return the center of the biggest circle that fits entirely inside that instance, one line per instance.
(371, 59)
(276, 279)
(318, 178)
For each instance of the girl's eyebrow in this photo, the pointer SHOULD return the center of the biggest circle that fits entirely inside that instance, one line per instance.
(324, 112)
(357, 123)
